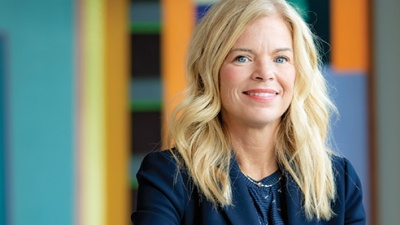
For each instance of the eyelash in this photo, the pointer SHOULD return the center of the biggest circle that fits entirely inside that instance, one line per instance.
(281, 57)
(239, 57)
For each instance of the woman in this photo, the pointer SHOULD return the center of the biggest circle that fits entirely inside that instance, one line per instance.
(250, 137)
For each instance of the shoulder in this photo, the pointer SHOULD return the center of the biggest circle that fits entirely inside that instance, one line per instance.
(345, 172)
(163, 192)
(161, 167)
(349, 200)
(160, 158)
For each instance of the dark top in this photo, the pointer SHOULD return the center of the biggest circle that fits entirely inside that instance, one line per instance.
(166, 196)
(266, 195)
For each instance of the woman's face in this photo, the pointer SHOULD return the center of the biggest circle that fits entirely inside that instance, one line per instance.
(257, 77)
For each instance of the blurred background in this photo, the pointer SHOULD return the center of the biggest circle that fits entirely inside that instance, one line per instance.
(85, 86)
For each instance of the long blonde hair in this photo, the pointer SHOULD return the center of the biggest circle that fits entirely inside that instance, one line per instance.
(301, 145)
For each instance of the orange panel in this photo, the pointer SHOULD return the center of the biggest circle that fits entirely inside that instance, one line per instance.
(117, 123)
(349, 35)
(178, 21)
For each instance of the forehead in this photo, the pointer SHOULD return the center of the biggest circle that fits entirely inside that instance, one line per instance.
(266, 30)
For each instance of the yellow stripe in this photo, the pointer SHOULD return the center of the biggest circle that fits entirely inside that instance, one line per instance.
(178, 21)
(92, 138)
(117, 112)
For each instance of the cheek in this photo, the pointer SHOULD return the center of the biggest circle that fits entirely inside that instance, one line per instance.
(229, 83)
(288, 83)
(290, 78)
(226, 75)
(291, 83)
(231, 78)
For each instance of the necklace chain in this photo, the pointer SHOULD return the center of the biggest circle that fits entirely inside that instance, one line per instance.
(260, 184)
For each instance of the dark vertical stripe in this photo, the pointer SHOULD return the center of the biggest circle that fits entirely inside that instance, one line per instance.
(319, 19)
(372, 93)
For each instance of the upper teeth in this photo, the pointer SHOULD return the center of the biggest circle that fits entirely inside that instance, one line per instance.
(262, 94)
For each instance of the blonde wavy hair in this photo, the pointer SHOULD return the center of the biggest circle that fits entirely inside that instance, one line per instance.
(198, 134)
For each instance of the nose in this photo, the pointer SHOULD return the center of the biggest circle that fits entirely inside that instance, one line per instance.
(264, 71)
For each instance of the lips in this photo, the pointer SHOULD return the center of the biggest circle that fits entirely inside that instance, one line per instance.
(258, 94)
(261, 93)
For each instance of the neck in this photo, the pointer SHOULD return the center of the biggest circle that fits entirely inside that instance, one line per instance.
(255, 151)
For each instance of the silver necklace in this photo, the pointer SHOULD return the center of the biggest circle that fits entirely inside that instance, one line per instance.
(259, 184)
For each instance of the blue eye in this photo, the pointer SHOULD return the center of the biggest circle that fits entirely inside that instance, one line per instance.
(242, 59)
(281, 59)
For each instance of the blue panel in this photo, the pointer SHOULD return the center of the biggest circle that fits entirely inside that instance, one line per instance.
(349, 91)
(2, 135)
(201, 10)
(41, 78)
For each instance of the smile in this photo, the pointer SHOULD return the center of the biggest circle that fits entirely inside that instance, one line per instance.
(258, 94)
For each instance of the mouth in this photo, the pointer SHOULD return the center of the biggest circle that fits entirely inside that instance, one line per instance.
(261, 94)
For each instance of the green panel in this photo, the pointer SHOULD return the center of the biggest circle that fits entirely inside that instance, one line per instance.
(146, 28)
(146, 105)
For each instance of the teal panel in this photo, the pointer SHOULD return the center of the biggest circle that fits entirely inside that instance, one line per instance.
(145, 12)
(41, 46)
(145, 94)
(302, 5)
(2, 134)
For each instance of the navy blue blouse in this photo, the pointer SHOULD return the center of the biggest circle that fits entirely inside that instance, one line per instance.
(266, 195)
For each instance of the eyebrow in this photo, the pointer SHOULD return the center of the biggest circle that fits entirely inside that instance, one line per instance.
(241, 50)
(283, 50)
(251, 51)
